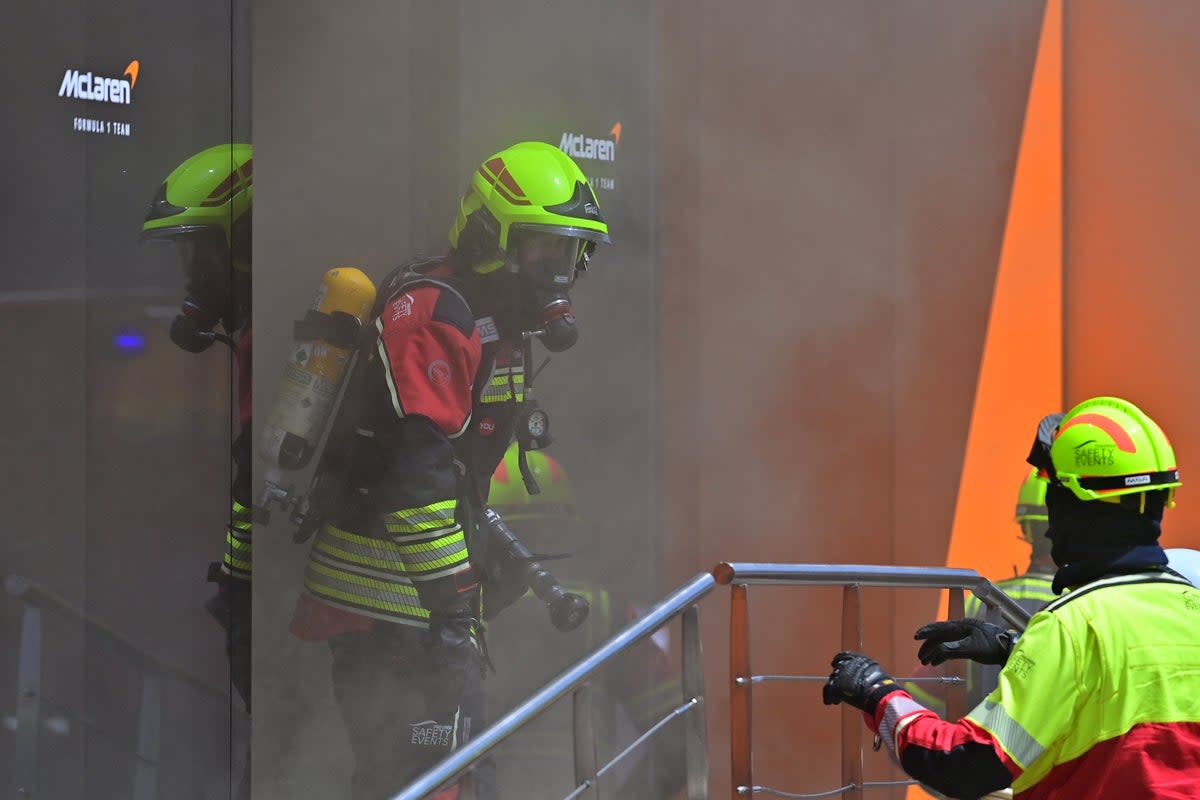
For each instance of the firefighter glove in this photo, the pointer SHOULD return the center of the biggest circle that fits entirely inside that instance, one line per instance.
(974, 639)
(454, 654)
(858, 680)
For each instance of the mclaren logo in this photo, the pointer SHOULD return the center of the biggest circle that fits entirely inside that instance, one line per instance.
(98, 88)
(577, 145)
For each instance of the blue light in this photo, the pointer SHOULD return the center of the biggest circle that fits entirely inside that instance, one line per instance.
(130, 341)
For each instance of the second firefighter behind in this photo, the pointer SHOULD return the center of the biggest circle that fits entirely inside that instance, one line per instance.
(631, 695)
(393, 583)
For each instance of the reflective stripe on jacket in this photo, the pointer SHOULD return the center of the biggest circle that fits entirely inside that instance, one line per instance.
(238, 544)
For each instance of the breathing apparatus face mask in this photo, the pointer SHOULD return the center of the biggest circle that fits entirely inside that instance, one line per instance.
(547, 263)
(208, 272)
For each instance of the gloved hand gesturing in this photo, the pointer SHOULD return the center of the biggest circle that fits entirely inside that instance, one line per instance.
(858, 680)
(974, 639)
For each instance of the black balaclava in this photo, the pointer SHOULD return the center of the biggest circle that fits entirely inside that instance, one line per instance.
(1092, 538)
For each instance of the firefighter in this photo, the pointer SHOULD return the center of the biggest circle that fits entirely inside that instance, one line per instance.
(1031, 590)
(204, 209)
(393, 581)
(1100, 697)
(630, 696)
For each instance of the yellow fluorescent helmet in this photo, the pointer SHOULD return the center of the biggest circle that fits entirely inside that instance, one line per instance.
(529, 186)
(510, 498)
(1106, 447)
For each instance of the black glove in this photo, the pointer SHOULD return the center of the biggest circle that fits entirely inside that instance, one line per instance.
(454, 642)
(453, 653)
(858, 680)
(975, 639)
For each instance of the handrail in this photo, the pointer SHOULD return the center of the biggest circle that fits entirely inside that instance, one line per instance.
(851, 577)
(737, 575)
(874, 575)
(34, 593)
(458, 761)
(37, 599)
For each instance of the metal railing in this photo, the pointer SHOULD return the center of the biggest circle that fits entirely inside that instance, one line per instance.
(852, 578)
(572, 680)
(35, 600)
(683, 603)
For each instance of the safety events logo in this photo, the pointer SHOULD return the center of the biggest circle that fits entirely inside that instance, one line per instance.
(95, 87)
(587, 148)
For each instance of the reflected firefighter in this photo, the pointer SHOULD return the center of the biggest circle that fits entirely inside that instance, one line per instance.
(204, 209)
(1100, 696)
(397, 579)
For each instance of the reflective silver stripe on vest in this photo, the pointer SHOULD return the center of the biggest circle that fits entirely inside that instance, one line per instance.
(1015, 740)
(360, 551)
(363, 575)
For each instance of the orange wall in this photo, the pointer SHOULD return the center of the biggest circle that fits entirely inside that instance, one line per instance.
(1132, 123)
(834, 186)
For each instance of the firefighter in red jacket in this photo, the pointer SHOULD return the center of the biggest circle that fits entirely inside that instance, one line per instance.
(1100, 696)
(393, 581)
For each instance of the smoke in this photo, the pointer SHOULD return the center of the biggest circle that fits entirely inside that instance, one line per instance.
(806, 209)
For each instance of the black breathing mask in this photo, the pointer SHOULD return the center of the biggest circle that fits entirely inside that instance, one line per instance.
(558, 331)
(212, 284)
(548, 264)
(192, 328)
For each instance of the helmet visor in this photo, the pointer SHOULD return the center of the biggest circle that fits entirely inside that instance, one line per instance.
(205, 259)
(549, 259)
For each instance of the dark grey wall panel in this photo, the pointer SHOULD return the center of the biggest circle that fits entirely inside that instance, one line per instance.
(115, 474)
